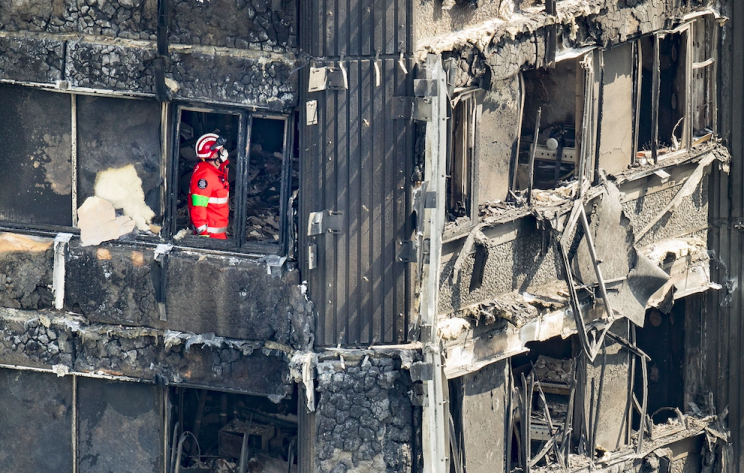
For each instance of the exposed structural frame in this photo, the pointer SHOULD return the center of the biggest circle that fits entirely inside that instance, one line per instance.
(434, 421)
(591, 347)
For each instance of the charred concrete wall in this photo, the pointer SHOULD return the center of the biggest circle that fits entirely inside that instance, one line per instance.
(242, 24)
(125, 67)
(234, 78)
(523, 258)
(518, 40)
(33, 59)
(364, 420)
(110, 45)
(134, 19)
(71, 344)
(227, 296)
(690, 218)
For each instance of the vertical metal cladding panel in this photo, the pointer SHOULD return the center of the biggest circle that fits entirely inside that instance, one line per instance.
(722, 323)
(356, 160)
(331, 28)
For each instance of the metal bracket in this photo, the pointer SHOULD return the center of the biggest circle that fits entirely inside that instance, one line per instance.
(325, 221)
(421, 109)
(318, 79)
(425, 87)
(426, 248)
(401, 108)
(407, 108)
(421, 371)
(407, 252)
(337, 79)
(430, 200)
(312, 255)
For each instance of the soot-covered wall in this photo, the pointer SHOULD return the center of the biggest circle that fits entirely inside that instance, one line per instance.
(219, 51)
(364, 420)
(119, 284)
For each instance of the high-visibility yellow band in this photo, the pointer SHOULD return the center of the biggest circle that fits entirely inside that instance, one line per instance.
(199, 200)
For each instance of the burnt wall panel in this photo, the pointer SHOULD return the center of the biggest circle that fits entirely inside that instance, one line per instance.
(37, 422)
(36, 139)
(31, 59)
(517, 265)
(233, 79)
(135, 19)
(199, 360)
(483, 417)
(497, 132)
(113, 133)
(105, 66)
(112, 285)
(236, 299)
(243, 24)
(611, 416)
(71, 343)
(357, 160)
(201, 294)
(617, 116)
(119, 427)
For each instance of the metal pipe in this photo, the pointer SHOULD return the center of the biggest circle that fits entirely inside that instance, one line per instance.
(590, 428)
(532, 155)
(244, 448)
(181, 440)
(174, 443)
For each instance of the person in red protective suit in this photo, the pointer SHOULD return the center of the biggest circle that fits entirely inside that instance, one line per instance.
(209, 192)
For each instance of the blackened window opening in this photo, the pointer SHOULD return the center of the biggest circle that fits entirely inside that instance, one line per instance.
(556, 92)
(265, 166)
(672, 90)
(645, 117)
(705, 33)
(192, 125)
(553, 363)
(663, 339)
(460, 162)
(219, 421)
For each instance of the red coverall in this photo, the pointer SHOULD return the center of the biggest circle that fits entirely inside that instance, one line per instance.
(209, 196)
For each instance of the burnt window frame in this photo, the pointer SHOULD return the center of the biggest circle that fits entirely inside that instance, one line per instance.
(242, 164)
(685, 60)
(51, 230)
(587, 62)
(466, 97)
(709, 67)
